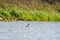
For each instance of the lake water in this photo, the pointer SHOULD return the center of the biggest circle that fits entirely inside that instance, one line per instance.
(34, 31)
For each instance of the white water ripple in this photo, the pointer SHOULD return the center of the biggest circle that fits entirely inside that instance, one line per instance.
(35, 30)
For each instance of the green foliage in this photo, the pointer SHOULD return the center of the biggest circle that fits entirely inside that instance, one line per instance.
(30, 12)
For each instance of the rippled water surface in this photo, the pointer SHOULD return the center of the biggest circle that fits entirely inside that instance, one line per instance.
(23, 30)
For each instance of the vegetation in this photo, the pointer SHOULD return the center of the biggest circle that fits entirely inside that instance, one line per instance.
(29, 11)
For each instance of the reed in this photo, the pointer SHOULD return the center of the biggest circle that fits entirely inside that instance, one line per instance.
(33, 11)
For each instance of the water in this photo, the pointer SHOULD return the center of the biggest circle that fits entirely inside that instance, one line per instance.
(35, 30)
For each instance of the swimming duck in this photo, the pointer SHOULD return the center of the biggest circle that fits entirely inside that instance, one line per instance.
(27, 25)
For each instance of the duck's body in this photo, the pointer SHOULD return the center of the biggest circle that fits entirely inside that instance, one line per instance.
(27, 25)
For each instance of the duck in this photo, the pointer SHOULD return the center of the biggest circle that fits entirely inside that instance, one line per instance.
(27, 25)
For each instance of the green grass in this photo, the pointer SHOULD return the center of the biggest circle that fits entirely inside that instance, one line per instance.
(42, 12)
(30, 15)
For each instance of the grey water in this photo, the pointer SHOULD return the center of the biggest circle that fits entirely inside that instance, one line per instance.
(20, 30)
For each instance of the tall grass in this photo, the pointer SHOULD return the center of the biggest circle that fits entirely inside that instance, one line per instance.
(30, 15)
(29, 11)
